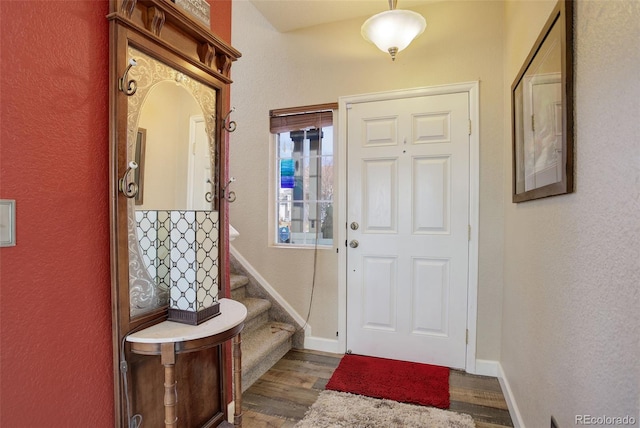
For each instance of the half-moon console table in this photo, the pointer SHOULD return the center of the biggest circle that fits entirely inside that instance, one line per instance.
(169, 338)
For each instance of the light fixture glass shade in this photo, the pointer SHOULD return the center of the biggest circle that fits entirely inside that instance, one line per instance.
(392, 31)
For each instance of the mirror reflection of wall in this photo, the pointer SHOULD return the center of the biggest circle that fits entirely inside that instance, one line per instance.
(166, 115)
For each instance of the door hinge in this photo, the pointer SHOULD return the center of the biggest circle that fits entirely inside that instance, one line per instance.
(469, 126)
(467, 337)
(469, 233)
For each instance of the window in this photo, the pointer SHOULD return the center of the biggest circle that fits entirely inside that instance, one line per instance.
(304, 175)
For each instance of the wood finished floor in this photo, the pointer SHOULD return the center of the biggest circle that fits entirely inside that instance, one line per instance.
(281, 397)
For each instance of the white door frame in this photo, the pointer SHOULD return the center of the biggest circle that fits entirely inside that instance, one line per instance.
(340, 155)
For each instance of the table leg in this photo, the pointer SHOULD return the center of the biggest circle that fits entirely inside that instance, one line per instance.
(237, 380)
(168, 359)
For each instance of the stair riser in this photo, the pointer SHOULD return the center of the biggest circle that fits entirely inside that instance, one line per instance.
(256, 323)
(239, 293)
(264, 341)
(252, 374)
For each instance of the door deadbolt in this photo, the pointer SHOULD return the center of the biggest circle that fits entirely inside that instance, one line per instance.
(354, 243)
(354, 226)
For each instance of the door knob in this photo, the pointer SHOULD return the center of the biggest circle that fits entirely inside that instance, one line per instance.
(354, 226)
(354, 243)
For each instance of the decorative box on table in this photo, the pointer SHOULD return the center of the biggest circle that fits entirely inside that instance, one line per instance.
(194, 266)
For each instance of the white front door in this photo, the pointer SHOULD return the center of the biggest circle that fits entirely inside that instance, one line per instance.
(407, 228)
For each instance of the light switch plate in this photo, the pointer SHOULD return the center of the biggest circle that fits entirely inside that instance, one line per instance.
(7, 223)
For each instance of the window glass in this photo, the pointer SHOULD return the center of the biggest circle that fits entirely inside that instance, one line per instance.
(304, 205)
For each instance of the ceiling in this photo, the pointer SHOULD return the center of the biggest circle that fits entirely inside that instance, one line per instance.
(288, 15)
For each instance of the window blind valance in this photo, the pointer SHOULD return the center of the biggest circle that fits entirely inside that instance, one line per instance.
(295, 118)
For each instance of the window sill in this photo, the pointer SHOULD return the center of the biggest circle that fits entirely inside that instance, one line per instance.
(301, 247)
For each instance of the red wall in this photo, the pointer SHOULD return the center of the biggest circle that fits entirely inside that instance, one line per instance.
(221, 19)
(55, 301)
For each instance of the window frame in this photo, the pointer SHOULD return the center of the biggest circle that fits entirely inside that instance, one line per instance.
(289, 120)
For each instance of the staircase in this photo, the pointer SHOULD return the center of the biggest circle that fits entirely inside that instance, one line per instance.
(269, 331)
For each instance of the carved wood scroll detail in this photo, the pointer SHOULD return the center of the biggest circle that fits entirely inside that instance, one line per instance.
(128, 6)
(206, 52)
(154, 20)
(223, 64)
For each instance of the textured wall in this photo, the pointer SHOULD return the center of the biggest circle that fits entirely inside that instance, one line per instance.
(55, 316)
(462, 42)
(56, 304)
(572, 263)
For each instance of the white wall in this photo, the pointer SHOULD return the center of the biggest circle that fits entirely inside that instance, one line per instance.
(462, 42)
(571, 323)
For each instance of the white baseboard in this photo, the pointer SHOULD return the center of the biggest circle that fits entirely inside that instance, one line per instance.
(516, 417)
(486, 368)
(322, 344)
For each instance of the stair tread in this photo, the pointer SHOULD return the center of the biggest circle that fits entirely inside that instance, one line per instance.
(255, 306)
(260, 342)
(264, 340)
(238, 281)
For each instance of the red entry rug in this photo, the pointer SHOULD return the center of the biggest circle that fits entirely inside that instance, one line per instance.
(395, 380)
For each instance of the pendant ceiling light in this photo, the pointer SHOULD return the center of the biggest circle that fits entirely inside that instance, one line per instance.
(392, 31)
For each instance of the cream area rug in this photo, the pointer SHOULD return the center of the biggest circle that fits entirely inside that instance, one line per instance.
(335, 409)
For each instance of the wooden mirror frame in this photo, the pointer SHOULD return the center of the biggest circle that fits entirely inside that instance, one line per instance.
(562, 16)
(163, 31)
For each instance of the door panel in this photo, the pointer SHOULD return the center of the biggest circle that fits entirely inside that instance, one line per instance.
(431, 128)
(430, 291)
(379, 293)
(380, 131)
(431, 210)
(408, 188)
(379, 191)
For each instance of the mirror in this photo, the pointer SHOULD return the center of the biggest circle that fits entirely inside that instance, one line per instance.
(542, 103)
(170, 131)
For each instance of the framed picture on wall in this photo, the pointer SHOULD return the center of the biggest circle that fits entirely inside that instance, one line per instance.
(542, 112)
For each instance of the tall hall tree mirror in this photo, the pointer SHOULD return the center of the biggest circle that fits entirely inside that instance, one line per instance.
(169, 82)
